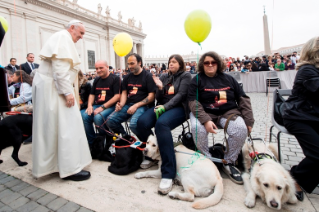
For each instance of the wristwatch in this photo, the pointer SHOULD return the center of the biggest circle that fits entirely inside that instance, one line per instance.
(102, 106)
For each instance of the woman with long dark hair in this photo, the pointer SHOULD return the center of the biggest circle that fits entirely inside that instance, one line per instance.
(301, 117)
(171, 96)
(20, 93)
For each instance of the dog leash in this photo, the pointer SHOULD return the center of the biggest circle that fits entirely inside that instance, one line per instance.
(212, 158)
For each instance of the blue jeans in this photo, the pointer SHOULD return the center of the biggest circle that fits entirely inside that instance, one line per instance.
(116, 119)
(163, 126)
(98, 121)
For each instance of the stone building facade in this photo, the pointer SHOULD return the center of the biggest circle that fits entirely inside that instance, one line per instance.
(32, 22)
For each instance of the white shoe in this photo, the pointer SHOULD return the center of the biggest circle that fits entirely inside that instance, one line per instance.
(165, 186)
(148, 163)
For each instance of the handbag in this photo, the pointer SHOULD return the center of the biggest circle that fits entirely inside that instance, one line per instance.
(186, 137)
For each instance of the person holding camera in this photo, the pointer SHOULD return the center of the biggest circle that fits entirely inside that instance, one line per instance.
(217, 98)
(170, 112)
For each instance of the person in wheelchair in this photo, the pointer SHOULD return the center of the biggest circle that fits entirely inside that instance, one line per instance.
(301, 117)
(216, 98)
(170, 112)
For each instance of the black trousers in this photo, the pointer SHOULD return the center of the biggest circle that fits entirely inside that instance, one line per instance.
(306, 173)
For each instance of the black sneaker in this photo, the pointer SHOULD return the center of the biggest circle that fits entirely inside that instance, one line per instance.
(233, 173)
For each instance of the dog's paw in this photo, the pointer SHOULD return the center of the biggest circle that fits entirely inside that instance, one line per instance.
(250, 203)
(23, 163)
(139, 175)
(172, 195)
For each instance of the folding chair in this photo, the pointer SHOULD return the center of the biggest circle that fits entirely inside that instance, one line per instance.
(272, 80)
(281, 129)
(237, 77)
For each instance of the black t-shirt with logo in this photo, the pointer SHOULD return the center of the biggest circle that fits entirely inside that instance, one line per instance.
(217, 94)
(105, 89)
(138, 86)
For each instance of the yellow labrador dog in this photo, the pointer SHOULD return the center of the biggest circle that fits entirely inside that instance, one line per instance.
(270, 181)
(198, 179)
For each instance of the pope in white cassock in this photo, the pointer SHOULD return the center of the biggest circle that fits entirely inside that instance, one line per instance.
(59, 140)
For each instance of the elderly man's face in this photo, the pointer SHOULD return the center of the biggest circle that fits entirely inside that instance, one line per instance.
(77, 32)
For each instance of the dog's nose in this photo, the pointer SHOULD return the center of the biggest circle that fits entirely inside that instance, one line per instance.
(145, 151)
(274, 204)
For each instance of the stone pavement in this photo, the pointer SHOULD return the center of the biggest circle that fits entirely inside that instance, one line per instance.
(105, 191)
(19, 196)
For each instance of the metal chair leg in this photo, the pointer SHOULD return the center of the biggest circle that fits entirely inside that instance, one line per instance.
(279, 151)
(270, 133)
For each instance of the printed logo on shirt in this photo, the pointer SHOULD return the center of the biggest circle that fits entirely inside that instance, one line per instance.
(101, 96)
(169, 91)
(219, 101)
(133, 91)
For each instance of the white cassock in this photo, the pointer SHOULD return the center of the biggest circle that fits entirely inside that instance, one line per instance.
(59, 143)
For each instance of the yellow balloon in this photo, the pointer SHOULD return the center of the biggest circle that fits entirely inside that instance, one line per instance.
(122, 44)
(4, 23)
(198, 25)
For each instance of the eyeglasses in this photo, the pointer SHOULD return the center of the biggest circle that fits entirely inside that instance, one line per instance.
(207, 63)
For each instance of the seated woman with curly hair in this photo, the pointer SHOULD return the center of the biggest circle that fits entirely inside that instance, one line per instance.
(214, 99)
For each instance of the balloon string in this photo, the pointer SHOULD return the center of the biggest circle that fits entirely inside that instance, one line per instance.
(200, 46)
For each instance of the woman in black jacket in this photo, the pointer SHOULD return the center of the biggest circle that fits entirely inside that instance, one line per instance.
(301, 117)
(84, 91)
(171, 94)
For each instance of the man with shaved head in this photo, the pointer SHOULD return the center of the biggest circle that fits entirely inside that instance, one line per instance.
(59, 141)
(105, 93)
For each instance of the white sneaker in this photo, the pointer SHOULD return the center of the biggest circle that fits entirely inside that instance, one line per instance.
(148, 163)
(165, 186)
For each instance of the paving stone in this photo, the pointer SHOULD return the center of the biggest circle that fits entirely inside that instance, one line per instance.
(56, 204)
(285, 149)
(287, 167)
(296, 150)
(37, 194)
(20, 186)
(12, 183)
(290, 145)
(5, 193)
(6, 209)
(69, 207)
(7, 179)
(84, 210)
(41, 208)
(288, 153)
(19, 202)
(291, 158)
(291, 163)
(30, 206)
(3, 176)
(2, 187)
(28, 190)
(46, 199)
(1, 205)
(10, 198)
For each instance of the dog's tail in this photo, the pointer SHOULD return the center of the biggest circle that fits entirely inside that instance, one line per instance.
(212, 199)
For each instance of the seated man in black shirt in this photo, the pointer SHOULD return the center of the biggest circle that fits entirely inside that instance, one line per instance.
(138, 92)
(105, 93)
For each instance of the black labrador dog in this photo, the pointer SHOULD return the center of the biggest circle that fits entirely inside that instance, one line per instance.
(12, 129)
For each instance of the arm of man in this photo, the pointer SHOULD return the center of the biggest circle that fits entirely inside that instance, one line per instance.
(122, 102)
(108, 104)
(150, 98)
(89, 109)
(25, 95)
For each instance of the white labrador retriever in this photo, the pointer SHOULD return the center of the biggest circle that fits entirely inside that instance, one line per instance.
(198, 179)
(270, 181)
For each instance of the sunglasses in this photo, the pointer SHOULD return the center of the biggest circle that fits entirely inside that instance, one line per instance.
(207, 63)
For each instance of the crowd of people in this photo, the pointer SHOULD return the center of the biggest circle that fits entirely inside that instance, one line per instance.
(274, 62)
(153, 97)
